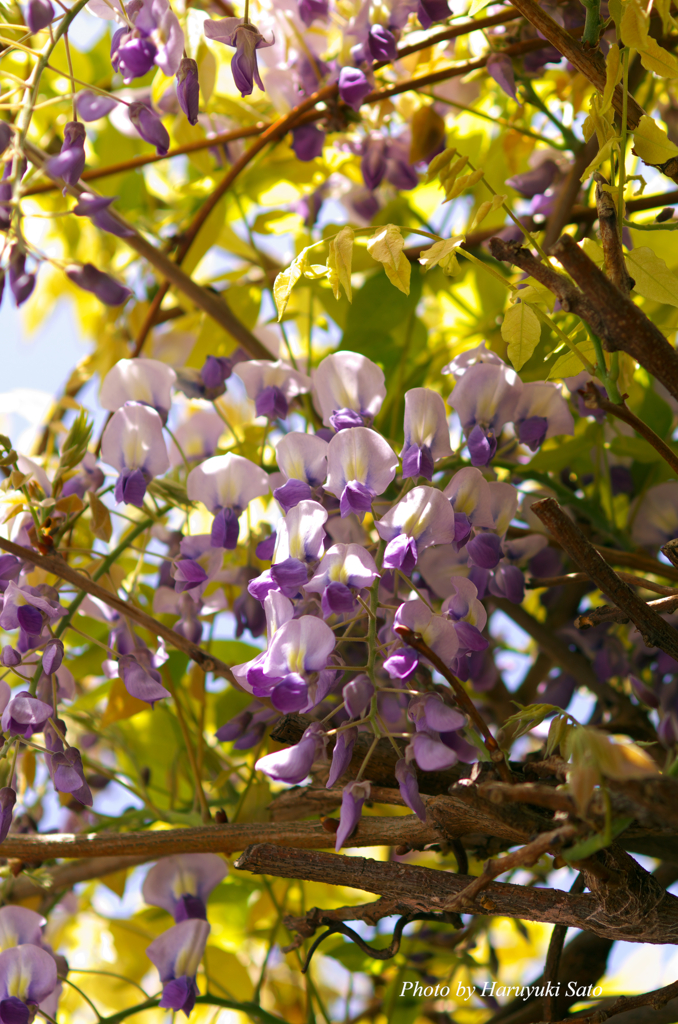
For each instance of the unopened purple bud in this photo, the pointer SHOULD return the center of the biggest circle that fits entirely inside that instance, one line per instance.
(291, 493)
(10, 657)
(418, 462)
(357, 694)
(107, 289)
(401, 553)
(7, 801)
(409, 788)
(150, 127)
(309, 10)
(188, 90)
(337, 599)
(402, 663)
(21, 283)
(485, 550)
(508, 582)
(341, 755)
(344, 419)
(308, 142)
(92, 105)
(179, 994)
(534, 182)
(643, 693)
(235, 728)
(290, 694)
(356, 497)
(462, 529)
(130, 488)
(290, 573)
(135, 57)
(353, 797)
(271, 402)
(559, 690)
(5, 136)
(225, 529)
(481, 446)
(70, 163)
(265, 548)
(215, 371)
(532, 431)
(38, 14)
(188, 574)
(667, 732)
(430, 11)
(500, 68)
(52, 656)
(353, 87)
(96, 208)
(382, 43)
(621, 480)
(30, 619)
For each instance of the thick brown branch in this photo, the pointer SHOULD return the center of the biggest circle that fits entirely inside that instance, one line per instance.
(568, 192)
(656, 999)
(429, 890)
(654, 630)
(624, 325)
(608, 613)
(67, 875)
(307, 835)
(615, 265)
(536, 582)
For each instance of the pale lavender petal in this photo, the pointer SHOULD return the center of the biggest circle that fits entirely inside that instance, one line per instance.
(353, 797)
(36, 969)
(348, 380)
(178, 951)
(357, 694)
(468, 493)
(409, 788)
(227, 481)
(500, 67)
(293, 764)
(19, 925)
(138, 380)
(301, 534)
(187, 874)
(485, 550)
(341, 755)
(360, 456)
(424, 514)
(133, 440)
(486, 396)
(430, 754)
(303, 457)
(426, 422)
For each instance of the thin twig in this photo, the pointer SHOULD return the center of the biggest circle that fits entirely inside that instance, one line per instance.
(537, 582)
(615, 265)
(620, 410)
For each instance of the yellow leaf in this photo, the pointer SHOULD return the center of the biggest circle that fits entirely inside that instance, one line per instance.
(651, 143)
(634, 25)
(663, 7)
(613, 77)
(658, 60)
(593, 251)
(286, 280)
(521, 330)
(489, 206)
(339, 262)
(603, 154)
(101, 518)
(440, 252)
(653, 278)
(386, 246)
(466, 181)
(569, 364)
(449, 173)
(438, 163)
(116, 882)
(121, 704)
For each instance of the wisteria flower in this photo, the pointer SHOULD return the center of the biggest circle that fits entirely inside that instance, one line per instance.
(300, 648)
(247, 39)
(427, 435)
(343, 567)
(541, 412)
(177, 954)
(28, 975)
(271, 385)
(181, 885)
(303, 460)
(138, 380)
(348, 390)
(134, 445)
(293, 764)
(226, 484)
(361, 466)
(353, 797)
(485, 398)
(422, 518)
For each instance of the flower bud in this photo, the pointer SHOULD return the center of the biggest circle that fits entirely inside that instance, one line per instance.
(150, 127)
(21, 282)
(308, 142)
(52, 656)
(5, 136)
(38, 14)
(188, 89)
(70, 163)
(107, 289)
(353, 87)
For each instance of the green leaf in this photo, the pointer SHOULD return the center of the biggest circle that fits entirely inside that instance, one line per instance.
(653, 278)
(569, 364)
(233, 652)
(557, 458)
(636, 448)
(651, 143)
(522, 330)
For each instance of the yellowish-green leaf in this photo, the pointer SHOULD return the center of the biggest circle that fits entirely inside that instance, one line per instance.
(489, 206)
(603, 154)
(121, 704)
(101, 518)
(653, 278)
(438, 163)
(663, 8)
(613, 77)
(442, 253)
(634, 25)
(658, 60)
(386, 246)
(569, 364)
(521, 330)
(466, 181)
(450, 171)
(616, 10)
(651, 143)
(339, 262)
(593, 251)
(286, 280)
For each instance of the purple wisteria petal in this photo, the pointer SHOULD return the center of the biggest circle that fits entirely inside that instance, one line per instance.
(141, 681)
(373, 161)
(10, 658)
(138, 380)
(656, 521)
(431, 711)
(504, 505)
(38, 14)
(338, 599)
(303, 457)
(290, 575)
(301, 535)
(424, 514)
(353, 797)
(484, 550)
(463, 603)
(309, 10)
(468, 492)
(179, 994)
(357, 694)
(92, 105)
(417, 462)
(402, 663)
(293, 764)
(181, 885)
(341, 755)
(437, 631)
(21, 281)
(52, 656)
(70, 163)
(353, 87)
(106, 288)
(149, 126)
(409, 788)
(356, 498)
(19, 925)
(27, 973)
(7, 802)
(96, 208)
(265, 548)
(430, 754)
(225, 529)
(291, 493)
(541, 412)
(308, 142)
(401, 553)
(431, 11)
(247, 39)
(382, 43)
(348, 380)
(271, 385)
(66, 770)
(133, 440)
(227, 481)
(349, 564)
(134, 56)
(18, 598)
(534, 182)
(508, 582)
(178, 951)
(425, 423)
(25, 715)
(359, 458)
(299, 645)
(500, 67)
(486, 397)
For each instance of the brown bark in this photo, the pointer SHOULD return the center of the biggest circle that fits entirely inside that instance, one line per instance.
(615, 265)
